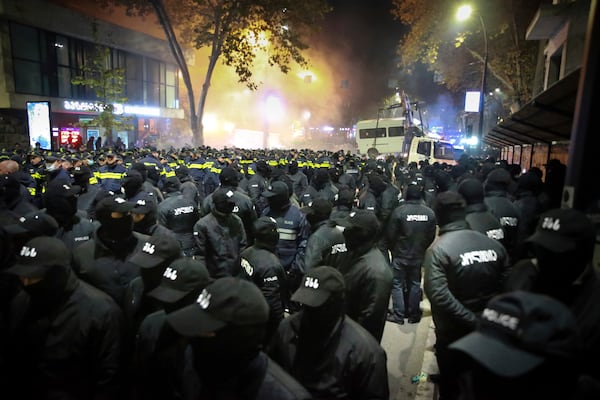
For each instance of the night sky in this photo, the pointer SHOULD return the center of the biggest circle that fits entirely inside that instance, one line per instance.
(363, 36)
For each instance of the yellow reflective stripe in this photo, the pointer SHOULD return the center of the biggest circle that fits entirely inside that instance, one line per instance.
(172, 164)
(110, 175)
(215, 170)
(246, 161)
(36, 175)
(196, 166)
(169, 174)
(251, 171)
(93, 180)
(272, 163)
(150, 164)
(180, 162)
(97, 174)
(31, 191)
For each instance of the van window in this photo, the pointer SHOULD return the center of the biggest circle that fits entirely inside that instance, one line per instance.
(424, 148)
(395, 131)
(444, 151)
(370, 133)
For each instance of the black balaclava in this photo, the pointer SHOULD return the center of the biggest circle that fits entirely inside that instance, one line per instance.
(359, 238)
(558, 271)
(413, 192)
(316, 326)
(449, 207)
(152, 277)
(376, 184)
(319, 211)
(279, 201)
(472, 191)
(263, 169)
(146, 223)
(223, 204)
(48, 293)
(132, 183)
(115, 230)
(267, 238)
(62, 208)
(320, 179)
(293, 168)
(141, 168)
(231, 348)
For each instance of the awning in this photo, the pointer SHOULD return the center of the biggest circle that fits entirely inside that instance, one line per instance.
(545, 119)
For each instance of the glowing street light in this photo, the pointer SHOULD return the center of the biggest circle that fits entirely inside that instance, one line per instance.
(463, 13)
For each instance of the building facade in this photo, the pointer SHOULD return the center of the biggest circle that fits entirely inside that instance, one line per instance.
(44, 45)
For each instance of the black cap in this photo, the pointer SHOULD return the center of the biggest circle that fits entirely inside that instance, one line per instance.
(563, 229)
(449, 201)
(265, 225)
(155, 251)
(229, 176)
(499, 176)
(38, 255)
(518, 331)
(38, 223)
(226, 301)
(318, 210)
(181, 277)
(345, 197)
(114, 204)
(277, 188)
(223, 200)
(144, 204)
(318, 285)
(362, 219)
(61, 189)
(413, 192)
(472, 191)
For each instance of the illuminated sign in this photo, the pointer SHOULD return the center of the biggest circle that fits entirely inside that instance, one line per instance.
(38, 120)
(472, 101)
(70, 136)
(88, 106)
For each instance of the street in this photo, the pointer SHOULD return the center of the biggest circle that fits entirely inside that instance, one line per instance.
(410, 355)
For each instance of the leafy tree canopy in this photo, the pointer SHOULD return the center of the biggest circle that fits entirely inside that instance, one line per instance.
(455, 49)
(233, 31)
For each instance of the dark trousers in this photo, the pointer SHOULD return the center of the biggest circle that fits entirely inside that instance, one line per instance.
(406, 290)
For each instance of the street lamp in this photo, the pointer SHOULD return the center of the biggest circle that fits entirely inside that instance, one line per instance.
(463, 13)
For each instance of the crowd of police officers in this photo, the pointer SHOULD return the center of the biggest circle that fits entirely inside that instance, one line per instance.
(202, 273)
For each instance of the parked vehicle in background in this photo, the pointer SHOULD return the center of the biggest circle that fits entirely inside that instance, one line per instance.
(393, 136)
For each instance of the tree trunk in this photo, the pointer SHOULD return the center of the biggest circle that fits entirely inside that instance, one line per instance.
(212, 62)
(182, 64)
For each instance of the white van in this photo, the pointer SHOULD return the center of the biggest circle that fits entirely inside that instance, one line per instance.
(431, 150)
(388, 136)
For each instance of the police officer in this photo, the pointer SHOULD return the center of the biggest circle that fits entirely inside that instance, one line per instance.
(225, 328)
(329, 353)
(261, 265)
(478, 217)
(220, 236)
(410, 231)
(244, 208)
(179, 214)
(463, 270)
(66, 327)
(368, 276)
(111, 173)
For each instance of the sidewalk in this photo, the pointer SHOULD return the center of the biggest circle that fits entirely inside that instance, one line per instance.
(426, 389)
(409, 348)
